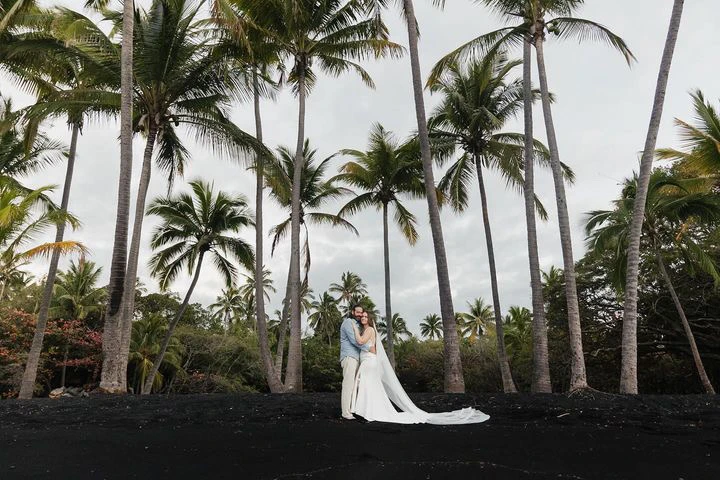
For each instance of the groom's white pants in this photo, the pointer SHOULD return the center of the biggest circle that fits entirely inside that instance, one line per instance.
(349, 367)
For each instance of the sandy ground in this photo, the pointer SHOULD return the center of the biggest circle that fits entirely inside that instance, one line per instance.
(303, 436)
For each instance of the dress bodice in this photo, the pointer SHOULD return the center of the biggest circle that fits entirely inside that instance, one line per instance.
(366, 354)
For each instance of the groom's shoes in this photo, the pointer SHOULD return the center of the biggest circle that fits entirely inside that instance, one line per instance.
(348, 417)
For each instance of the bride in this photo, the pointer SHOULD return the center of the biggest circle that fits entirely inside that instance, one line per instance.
(377, 388)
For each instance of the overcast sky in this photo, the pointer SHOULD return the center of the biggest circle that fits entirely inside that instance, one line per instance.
(601, 116)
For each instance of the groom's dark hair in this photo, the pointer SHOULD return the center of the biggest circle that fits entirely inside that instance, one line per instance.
(353, 307)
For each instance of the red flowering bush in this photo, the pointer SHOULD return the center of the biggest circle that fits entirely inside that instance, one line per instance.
(68, 343)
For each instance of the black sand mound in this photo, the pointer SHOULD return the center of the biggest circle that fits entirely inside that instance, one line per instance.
(302, 436)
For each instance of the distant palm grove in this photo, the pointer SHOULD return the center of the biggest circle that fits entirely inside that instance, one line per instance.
(638, 312)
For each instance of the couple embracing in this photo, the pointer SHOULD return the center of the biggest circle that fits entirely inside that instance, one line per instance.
(370, 386)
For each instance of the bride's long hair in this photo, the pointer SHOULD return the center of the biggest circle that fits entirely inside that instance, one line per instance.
(370, 323)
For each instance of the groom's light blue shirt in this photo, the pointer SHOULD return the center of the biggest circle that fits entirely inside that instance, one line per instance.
(349, 347)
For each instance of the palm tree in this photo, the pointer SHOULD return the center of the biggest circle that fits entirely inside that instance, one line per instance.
(329, 34)
(193, 226)
(541, 371)
(477, 321)
(431, 327)
(76, 294)
(365, 302)
(670, 209)
(22, 216)
(552, 277)
(247, 293)
(534, 28)
(628, 375)
(256, 56)
(350, 285)
(315, 191)
(64, 70)
(518, 323)
(384, 173)
(113, 378)
(454, 382)
(228, 305)
(326, 317)
(700, 140)
(178, 81)
(17, 159)
(477, 101)
(147, 336)
(397, 328)
(76, 297)
(12, 13)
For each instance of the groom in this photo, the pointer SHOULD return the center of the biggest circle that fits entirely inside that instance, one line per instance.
(349, 358)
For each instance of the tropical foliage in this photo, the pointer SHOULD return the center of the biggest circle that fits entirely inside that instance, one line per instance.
(642, 302)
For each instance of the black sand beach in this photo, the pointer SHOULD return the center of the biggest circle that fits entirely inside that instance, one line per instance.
(302, 436)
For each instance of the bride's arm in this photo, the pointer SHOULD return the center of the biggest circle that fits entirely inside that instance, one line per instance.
(364, 338)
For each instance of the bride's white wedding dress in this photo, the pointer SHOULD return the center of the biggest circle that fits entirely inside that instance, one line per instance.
(377, 388)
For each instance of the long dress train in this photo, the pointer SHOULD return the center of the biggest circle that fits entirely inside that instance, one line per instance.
(377, 388)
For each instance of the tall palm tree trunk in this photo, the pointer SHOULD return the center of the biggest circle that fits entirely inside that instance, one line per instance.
(147, 386)
(27, 387)
(578, 376)
(686, 326)
(388, 306)
(293, 377)
(134, 255)
(454, 382)
(111, 333)
(282, 328)
(508, 384)
(271, 374)
(628, 374)
(541, 364)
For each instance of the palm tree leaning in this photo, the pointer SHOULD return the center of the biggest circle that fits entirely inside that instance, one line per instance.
(315, 191)
(670, 211)
(454, 382)
(534, 28)
(431, 327)
(193, 226)
(628, 373)
(477, 101)
(327, 34)
(383, 174)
